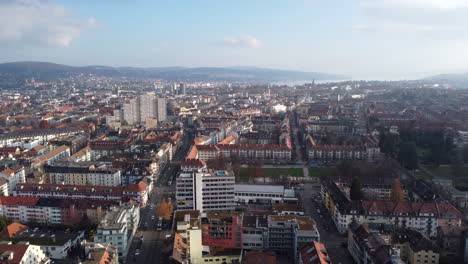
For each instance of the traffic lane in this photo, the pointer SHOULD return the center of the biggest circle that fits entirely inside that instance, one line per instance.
(334, 241)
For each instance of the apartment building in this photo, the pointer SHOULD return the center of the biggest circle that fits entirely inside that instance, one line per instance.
(205, 191)
(367, 246)
(222, 229)
(137, 192)
(118, 228)
(425, 217)
(59, 153)
(52, 210)
(254, 232)
(42, 135)
(13, 176)
(99, 253)
(287, 232)
(188, 246)
(145, 107)
(83, 174)
(313, 253)
(22, 254)
(415, 246)
(369, 151)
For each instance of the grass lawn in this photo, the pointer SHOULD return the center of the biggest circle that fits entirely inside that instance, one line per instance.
(421, 175)
(460, 182)
(422, 151)
(446, 171)
(320, 172)
(271, 172)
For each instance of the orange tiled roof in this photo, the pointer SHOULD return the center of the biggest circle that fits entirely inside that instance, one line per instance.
(13, 229)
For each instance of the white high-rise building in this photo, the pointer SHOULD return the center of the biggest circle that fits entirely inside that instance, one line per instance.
(144, 107)
(161, 109)
(205, 191)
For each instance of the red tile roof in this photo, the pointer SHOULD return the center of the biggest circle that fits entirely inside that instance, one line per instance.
(13, 229)
(18, 201)
(18, 252)
(139, 187)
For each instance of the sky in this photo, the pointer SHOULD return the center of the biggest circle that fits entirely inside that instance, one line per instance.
(364, 39)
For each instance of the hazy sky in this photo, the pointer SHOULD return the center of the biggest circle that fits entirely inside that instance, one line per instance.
(381, 39)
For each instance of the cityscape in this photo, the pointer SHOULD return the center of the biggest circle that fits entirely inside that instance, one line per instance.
(224, 164)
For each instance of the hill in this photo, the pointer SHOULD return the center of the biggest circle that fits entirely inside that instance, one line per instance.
(48, 71)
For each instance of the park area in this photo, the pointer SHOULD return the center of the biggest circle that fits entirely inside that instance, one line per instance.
(246, 173)
(459, 175)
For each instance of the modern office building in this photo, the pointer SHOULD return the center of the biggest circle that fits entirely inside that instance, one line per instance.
(205, 191)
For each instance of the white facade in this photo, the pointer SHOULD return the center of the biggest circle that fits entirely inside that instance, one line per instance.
(118, 228)
(13, 177)
(143, 107)
(205, 191)
(92, 177)
(246, 193)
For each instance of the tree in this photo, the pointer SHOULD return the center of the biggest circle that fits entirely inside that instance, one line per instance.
(217, 163)
(3, 222)
(408, 155)
(465, 153)
(398, 193)
(165, 210)
(388, 144)
(355, 192)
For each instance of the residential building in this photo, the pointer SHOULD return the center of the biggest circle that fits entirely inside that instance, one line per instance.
(100, 253)
(423, 216)
(287, 232)
(145, 107)
(52, 156)
(83, 174)
(118, 227)
(222, 229)
(313, 253)
(43, 135)
(13, 175)
(205, 191)
(22, 254)
(188, 246)
(415, 247)
(370, 247)
(56, 245)
(137, 192)
(254, 232)
(52, 211)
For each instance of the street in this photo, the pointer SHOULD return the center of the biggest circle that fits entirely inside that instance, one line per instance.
(150, 248)
(334, 241)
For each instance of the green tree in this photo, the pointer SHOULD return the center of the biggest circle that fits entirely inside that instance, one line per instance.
(408, 155)
(355, 192)
(3, 222)
(465, 153)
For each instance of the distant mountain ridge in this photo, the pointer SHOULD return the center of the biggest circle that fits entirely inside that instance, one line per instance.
(457, 80)
(48, 71)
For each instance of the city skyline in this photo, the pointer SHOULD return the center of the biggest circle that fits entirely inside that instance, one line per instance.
(379, 39)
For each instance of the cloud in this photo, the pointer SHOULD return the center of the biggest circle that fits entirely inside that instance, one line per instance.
(242, 41)
(417, 4)
(40, 22)
(418, 16)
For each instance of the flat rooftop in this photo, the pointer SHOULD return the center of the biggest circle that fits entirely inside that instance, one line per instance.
(257, 188)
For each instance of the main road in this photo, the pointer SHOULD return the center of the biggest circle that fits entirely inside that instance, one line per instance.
(148, 241)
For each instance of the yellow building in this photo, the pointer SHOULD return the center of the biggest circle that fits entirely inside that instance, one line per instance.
(416, 247)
